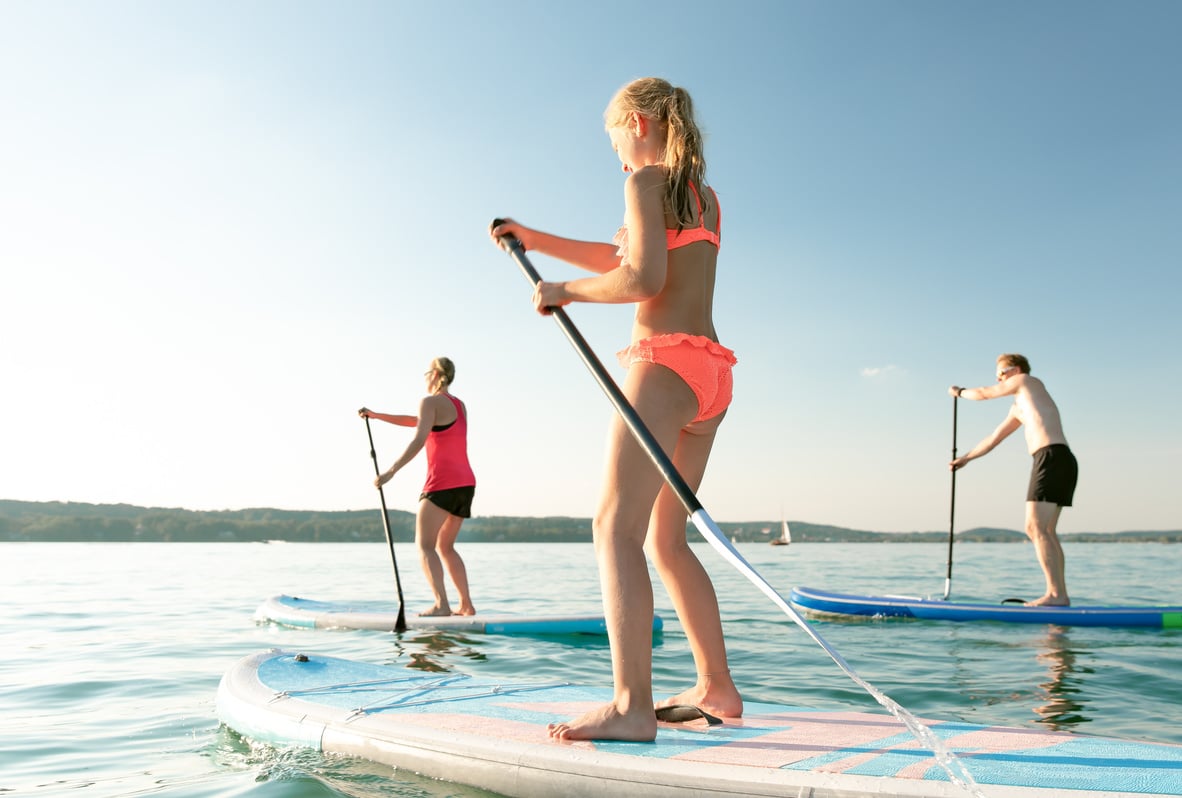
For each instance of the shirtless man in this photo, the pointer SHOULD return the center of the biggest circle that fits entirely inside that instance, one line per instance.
(1053, 476)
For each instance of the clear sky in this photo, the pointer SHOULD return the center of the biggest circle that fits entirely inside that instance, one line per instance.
(226, 226)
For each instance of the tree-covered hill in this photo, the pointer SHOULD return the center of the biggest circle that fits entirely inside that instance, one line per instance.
(77, 521)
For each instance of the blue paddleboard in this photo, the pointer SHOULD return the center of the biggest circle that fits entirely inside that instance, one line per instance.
(491, 734)
(383, 616)
(934, 609)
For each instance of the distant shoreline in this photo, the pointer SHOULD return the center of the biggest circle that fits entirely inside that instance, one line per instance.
(77, 522)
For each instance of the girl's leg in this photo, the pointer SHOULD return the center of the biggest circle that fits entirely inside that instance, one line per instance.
(688, 584)
(430, 520)
(631, 485)
(446, 549)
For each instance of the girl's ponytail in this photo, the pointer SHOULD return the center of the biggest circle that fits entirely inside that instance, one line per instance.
(684, 161)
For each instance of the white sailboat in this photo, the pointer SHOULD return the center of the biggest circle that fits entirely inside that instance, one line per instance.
(785, 536)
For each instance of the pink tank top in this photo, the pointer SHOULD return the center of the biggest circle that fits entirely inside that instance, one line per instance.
(447, 455)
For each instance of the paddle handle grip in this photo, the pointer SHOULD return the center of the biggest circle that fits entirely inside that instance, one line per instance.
(515, 246)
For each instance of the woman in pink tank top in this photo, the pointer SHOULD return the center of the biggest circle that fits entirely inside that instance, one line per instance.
(446, 499)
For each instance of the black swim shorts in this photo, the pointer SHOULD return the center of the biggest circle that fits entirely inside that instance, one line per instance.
(1053, 476)
(457, 501)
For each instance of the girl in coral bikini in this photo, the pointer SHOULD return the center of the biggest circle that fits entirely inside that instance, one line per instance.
(679, 381)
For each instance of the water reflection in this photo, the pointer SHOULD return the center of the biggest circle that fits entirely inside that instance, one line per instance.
(1063, 702)
(428, 650)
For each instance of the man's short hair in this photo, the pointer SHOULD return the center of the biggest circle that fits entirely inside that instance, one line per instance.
(1006, 361)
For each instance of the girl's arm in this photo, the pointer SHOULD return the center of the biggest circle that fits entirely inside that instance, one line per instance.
(402, 421)
(426, 420)
(590, 255)
(639, 276)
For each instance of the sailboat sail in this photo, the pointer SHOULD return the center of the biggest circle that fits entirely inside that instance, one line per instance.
(785, 536)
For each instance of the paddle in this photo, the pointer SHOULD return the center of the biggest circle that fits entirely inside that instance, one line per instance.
(400, 624)
(952, 509)
(952, 520)
(710, 531)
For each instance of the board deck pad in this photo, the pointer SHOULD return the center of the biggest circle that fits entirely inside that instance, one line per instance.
(492, 735)
(823, 602)
(383, 616)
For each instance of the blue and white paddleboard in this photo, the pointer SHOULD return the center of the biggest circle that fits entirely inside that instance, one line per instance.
(383, 616)
(492, 735)
(822, 602)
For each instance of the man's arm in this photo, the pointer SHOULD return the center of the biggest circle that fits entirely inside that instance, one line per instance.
(989, 442)
(1007, 387)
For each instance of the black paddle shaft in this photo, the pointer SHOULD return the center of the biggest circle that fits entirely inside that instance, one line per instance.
(628, 413)
(952, 507)
(400, 624)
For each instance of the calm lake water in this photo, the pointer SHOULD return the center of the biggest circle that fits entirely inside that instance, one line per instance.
(110, 654)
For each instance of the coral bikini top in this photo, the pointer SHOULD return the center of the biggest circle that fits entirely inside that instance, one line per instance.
(675, 239)
(684, 237)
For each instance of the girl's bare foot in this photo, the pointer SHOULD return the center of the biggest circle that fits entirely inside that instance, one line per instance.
(435, 612)
(608, 723)
(715, 695)
(466, 609)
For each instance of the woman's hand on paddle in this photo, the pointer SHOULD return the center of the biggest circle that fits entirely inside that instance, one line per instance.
(548, 296)
(365, 412)
(383, 478)
(507, 228)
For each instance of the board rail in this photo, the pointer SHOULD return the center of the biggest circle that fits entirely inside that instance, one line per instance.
(307, 613)
(829, 604)
(491, 734)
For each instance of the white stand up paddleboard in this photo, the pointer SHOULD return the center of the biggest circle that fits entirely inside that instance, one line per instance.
(492, 735)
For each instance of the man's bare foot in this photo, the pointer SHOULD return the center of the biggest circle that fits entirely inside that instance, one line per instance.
(466, 609)
(435, 612)
(607, 723)
(721, 700)
(1050, 601)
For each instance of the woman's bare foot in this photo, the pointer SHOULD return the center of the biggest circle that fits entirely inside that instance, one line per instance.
(435, 612)
(716, 696)
(608, 723)
(466, 609)
(1050, 601)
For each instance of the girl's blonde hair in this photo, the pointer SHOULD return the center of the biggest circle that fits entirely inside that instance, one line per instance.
(671, 106)
(444, 368)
